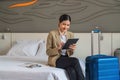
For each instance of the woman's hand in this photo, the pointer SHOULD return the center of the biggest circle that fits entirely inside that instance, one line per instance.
(60, 45)
(73, 47)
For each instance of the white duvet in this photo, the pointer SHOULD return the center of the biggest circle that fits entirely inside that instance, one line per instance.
(25, 68)
(16, 68)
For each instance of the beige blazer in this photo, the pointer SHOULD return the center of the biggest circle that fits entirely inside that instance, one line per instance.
(53, 40)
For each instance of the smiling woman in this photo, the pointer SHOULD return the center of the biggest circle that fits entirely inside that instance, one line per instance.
(23, 4)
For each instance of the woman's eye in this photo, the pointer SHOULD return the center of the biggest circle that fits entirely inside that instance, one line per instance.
(64, 24)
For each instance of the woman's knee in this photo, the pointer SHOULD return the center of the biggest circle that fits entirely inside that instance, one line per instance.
(75, 60)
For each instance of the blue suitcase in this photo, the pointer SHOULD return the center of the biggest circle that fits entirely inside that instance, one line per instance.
(101, 67)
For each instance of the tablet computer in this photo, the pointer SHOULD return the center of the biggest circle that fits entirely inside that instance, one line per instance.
(70, 42)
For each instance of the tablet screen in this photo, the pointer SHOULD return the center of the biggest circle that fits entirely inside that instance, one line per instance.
(70, 42)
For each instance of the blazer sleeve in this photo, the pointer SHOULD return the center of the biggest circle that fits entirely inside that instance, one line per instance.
(49, 46)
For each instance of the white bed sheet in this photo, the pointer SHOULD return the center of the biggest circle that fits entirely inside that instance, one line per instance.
(13, 68)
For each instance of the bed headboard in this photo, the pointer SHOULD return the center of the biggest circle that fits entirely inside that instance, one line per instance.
(28, 36)
(110, 42)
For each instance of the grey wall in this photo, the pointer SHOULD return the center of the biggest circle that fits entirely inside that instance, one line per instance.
(43, 15)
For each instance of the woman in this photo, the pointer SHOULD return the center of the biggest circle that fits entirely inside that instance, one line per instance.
(58, 57)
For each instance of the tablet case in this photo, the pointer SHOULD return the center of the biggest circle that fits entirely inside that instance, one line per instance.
(70, 42)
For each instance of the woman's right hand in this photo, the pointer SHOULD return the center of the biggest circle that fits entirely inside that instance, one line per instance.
(60, 45)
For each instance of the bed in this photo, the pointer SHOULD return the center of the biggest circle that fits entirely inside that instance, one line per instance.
(19, 68)
(27, 60)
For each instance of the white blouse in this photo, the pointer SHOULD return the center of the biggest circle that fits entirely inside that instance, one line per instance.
(63, 39)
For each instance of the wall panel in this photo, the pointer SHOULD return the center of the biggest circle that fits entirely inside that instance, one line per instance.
(43, 15)
(110, 42)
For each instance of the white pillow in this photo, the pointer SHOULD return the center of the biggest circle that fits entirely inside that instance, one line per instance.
(24, 48)
(42, 52)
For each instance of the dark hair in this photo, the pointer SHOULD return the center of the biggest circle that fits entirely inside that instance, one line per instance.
(64, 17)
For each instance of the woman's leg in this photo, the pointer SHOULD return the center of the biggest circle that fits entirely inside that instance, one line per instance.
(66, 62)
(78, 70)
(72, 73)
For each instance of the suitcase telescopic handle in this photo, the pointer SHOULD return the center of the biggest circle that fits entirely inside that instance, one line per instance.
(96, 30)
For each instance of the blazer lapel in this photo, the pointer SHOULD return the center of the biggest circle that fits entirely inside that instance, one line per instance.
(58, 36)
(67, 36)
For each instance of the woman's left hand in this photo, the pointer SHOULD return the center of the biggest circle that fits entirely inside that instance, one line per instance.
(73, 46)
